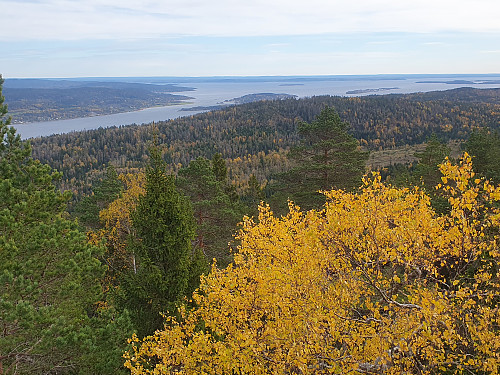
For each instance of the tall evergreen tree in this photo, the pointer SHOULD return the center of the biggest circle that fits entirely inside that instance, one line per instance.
(484, 146)
(105, 191)
(253, 195)
(49, 275)
(328, 156)
(216, 214)
(164, 231)
(3, 107)
(219, 169)
(428, 173)
(427, 168)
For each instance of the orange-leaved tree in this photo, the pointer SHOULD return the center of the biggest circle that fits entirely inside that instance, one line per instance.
(376, 282)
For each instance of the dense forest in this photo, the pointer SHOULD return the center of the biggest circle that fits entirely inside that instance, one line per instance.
(255, 240)
(254, 137)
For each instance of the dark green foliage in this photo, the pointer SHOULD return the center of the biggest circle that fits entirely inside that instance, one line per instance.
(253, 195)
(484, 146)
(3, 107)
(254, 192)
(427, 172)
(427, 169)
(216, 214)
(397, 174)
(106, 340)
(49, 276)
(164, 231)
(104, 192)
(327, 157)
(219, 168)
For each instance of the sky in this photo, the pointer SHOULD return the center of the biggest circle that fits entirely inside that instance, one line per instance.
(120, 38)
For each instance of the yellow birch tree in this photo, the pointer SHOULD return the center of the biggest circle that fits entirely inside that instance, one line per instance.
(117, 227)
(376, 282)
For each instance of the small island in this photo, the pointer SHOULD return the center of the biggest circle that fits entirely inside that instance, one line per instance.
(258, 97)
(369, 91)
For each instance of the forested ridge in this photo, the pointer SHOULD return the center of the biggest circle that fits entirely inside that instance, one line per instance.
(32, 100)
(261, 131)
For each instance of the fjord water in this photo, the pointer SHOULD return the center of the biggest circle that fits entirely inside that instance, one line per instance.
(213, 91)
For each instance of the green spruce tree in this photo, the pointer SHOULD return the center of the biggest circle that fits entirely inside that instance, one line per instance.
(253, 195)
(427, 169)
(219, 169)
(484, 147)
(167, 268)
(104, 192)
(216, 214)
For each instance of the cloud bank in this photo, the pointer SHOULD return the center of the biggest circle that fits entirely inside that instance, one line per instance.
(126, 19)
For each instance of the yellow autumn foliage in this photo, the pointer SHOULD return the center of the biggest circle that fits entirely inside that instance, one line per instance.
(375, 282)
(117, 227)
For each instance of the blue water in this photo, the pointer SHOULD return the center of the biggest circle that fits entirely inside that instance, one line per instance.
(214, 90)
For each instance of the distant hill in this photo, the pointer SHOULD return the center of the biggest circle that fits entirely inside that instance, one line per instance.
(32, 100)
(39, 83)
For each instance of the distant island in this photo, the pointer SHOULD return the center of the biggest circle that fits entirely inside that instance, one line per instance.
(260, 96)
(35, 100)
(367, 91)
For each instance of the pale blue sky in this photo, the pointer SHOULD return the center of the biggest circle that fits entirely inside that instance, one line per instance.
(83, 38)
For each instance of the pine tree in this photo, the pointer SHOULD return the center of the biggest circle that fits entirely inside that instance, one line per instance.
(49, 274)
(328, 156)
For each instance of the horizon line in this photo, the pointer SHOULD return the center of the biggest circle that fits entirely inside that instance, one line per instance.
(319, 76)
